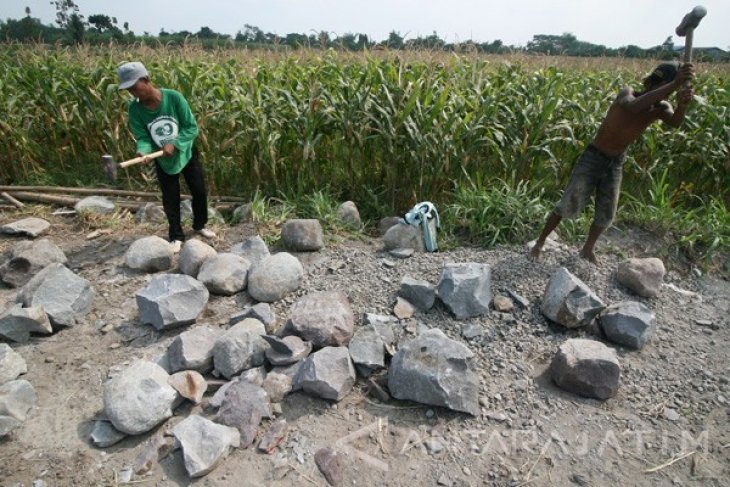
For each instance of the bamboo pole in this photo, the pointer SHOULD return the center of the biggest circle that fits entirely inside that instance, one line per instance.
(12, 200)
(106, 192)
(69, 201)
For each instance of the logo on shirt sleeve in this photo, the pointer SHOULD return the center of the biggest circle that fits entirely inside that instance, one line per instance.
(163, 130)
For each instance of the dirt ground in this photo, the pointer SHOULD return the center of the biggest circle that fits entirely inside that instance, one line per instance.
(671, 413)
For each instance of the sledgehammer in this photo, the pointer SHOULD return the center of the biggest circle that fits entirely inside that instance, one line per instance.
(110, 167)
(687, 27)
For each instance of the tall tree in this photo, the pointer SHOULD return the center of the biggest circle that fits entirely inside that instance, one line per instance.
(69, 18)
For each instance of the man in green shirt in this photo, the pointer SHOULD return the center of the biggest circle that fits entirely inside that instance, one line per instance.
(161, 119)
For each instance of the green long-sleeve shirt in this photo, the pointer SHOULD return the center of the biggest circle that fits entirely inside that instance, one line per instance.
(172, 122)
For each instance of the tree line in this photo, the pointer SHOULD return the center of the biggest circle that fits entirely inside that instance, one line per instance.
(74, 28)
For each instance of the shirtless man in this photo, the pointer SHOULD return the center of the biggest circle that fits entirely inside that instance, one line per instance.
(599, 168)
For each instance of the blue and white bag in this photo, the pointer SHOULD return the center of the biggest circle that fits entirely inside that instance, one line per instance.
(424, 215)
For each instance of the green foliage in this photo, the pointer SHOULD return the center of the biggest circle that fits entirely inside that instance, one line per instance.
(498, 212)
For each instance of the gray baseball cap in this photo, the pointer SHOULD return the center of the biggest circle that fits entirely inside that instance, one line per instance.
(129, 73)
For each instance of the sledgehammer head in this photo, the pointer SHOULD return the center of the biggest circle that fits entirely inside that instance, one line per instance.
(691, 20)
(110, 167)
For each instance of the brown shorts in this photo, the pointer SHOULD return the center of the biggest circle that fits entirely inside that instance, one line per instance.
(594, 172)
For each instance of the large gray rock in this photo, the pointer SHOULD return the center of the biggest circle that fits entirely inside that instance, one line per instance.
(385, 223)
(328, 373)
(349, 215)
(433, 369)
(11, 364)
(149, 254)
(192, 255)
(587, 368)
(64, 296)
(628, 323)
(225, 274)
(139, 398)
(243, 406)
(240, 348)
(17, 397)
(466, 289)
(253, 249)
(204, 443)
(642, 276)
(242, 214)
(420, 293)
(26, 259)
(193, 349)
(274, 277)
(302, 235)
(100, 205)
(367, 350)
(17, 323)
(324, 318)
(404, 236)
(31, 227)
(171, 300)
(150, 213)
(569, 302)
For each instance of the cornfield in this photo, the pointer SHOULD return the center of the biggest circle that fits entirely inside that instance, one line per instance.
(382, 129)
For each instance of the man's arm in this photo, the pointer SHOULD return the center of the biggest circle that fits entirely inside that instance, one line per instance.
(674, 118)
(638, 104)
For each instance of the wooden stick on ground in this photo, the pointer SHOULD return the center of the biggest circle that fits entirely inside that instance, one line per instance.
(107, 192)
(671, 462)
(12, 200)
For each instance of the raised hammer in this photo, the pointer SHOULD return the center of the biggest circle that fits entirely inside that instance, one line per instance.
(687, 27)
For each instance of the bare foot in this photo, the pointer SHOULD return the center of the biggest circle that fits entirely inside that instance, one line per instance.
(589, 256)
(535, 252)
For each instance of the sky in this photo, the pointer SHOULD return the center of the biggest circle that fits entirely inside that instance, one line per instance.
(613, 23)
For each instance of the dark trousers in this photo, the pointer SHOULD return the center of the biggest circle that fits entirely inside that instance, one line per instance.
(170, 186)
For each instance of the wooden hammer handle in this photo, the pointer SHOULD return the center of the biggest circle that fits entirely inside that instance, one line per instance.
(139, 159)
(688, 46)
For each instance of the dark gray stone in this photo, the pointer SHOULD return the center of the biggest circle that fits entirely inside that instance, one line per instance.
(26, 259)
(587, 368)
(31, 227)
(404, 236)
(420, 293)
(225, 274)
(243, 406)
(64, 296)
(193, 349)
(274, 277)
(149, 254)
(171, 300)
(466, 289)
(302, 235)
(328, 373)
(193, 254)
(240, 348)
(17, 323)
(628, 323)
(12, 364)
(139, 398)
(259, 311)
(569, 302)
(324, 318)
(204, 443)
(367, 350)
(433, 369)
(253, 249)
